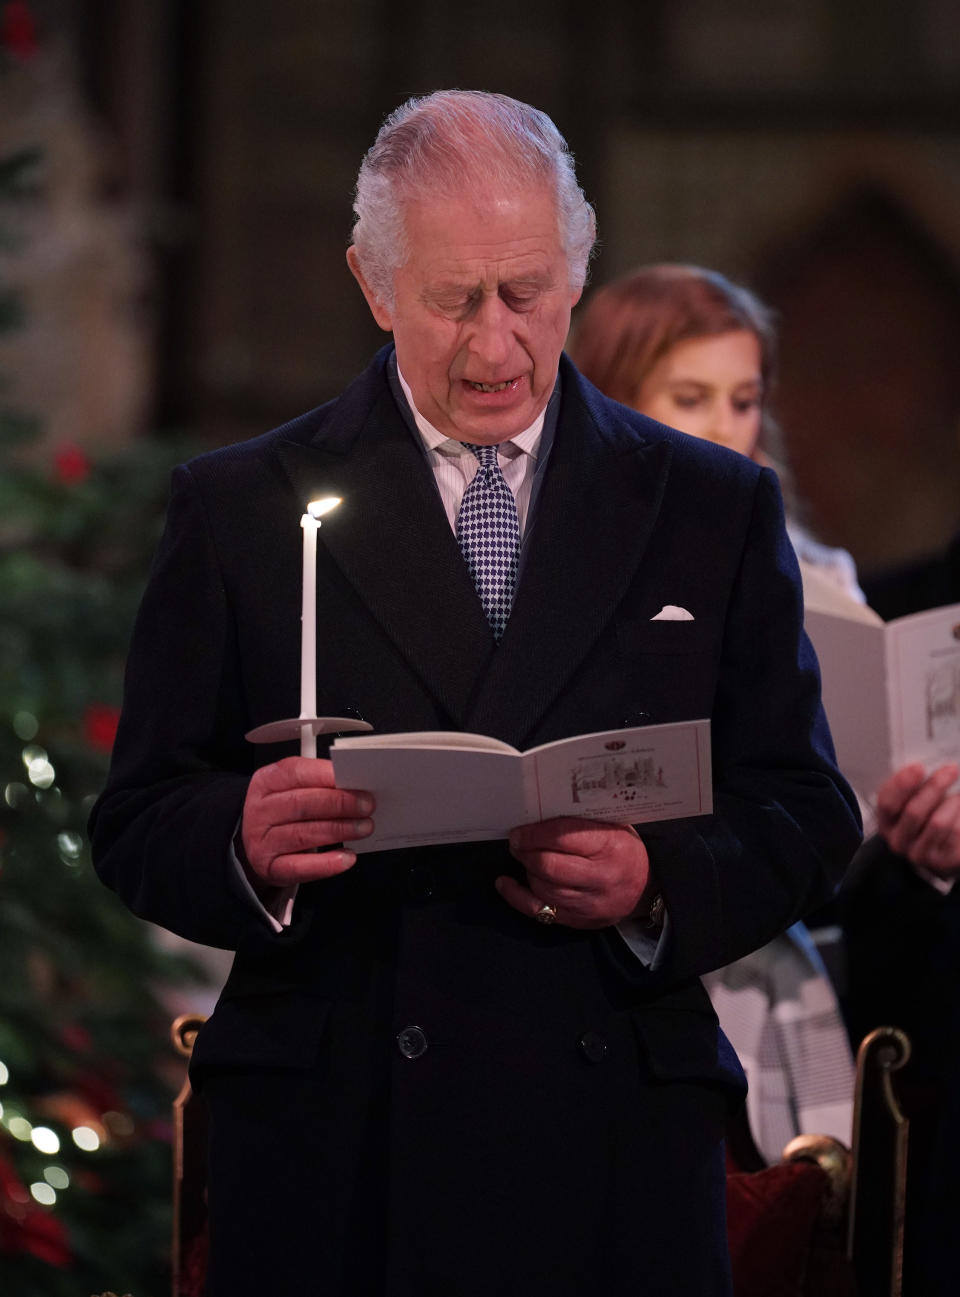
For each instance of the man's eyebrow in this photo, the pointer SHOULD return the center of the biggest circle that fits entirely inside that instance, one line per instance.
(534, 279)
(450, 288)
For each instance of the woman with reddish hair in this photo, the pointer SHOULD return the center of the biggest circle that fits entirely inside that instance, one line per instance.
(697, 351)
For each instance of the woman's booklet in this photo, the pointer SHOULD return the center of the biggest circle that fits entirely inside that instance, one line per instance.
(434, 787)
(891, 690)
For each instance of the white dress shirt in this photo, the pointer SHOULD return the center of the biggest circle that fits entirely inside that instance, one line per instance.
(454, 465)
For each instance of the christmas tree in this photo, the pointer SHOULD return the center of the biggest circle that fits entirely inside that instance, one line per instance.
(87, 1075)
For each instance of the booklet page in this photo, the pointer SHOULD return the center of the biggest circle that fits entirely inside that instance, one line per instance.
(923, 661)
(446, 788)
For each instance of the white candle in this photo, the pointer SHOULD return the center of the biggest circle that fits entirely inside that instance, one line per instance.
(310, 522)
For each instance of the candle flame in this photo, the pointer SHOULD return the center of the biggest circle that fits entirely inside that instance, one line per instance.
(317, 508)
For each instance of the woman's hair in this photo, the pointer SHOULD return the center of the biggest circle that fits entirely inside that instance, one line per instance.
(629, 325)
(442, 144)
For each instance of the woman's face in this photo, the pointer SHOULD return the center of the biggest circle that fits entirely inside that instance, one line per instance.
(709, 387)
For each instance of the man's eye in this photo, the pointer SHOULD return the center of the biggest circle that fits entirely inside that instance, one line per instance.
(455, 305)
(520, 301)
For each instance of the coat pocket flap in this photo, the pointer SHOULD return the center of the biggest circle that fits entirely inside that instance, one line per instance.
(260, 1031)
(687, 1045)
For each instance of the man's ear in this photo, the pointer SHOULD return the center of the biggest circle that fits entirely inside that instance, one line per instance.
(381, 313)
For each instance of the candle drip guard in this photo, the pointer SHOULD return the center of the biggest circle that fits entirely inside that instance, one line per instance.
(306, 729)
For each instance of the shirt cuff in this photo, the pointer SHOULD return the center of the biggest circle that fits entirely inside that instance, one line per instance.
(943, 885)
(279, 913)
(648, 944)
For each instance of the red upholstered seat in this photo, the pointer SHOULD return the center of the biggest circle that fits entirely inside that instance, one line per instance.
(778, 1236)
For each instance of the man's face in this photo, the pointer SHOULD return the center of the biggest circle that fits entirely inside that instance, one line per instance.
(481, 311)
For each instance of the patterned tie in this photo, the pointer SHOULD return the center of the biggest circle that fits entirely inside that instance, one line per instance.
(488, 532)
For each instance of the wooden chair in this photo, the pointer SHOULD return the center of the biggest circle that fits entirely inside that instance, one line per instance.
(879, 1182)
(826, 1221)
(188, 1258)
(786, 1223)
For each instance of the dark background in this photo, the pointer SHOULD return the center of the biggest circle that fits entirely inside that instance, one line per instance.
(810, 149)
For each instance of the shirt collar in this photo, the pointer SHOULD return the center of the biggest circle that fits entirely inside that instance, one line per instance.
(527, 442)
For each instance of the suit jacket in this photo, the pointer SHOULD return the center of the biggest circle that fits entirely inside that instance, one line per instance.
(628, 1062)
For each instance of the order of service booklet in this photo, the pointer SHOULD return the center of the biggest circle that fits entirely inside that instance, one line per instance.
(891, 690)
(435, 787)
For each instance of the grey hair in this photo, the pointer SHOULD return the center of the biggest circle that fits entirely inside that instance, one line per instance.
(441, 144)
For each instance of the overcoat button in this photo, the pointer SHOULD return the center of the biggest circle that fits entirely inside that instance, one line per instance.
(412, 1042)
(593, 1047)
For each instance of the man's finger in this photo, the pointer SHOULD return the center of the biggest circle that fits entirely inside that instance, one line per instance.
(524, 901)
(294, 772)
(308, 835)
(293, 804)
(284, 871)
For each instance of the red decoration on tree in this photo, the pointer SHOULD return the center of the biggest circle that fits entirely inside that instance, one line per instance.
(26, 1227)
(71, 464)
(100, 726)
(99, 1091)
(18, 30)
(76, 1037)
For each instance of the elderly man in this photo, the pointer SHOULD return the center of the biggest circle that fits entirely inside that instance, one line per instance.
(415, 1087)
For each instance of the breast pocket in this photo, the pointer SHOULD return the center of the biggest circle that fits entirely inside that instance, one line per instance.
(669, 667)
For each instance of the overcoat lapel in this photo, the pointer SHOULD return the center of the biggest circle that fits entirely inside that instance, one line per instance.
(391, 539)
(596, 510)
(393, 543)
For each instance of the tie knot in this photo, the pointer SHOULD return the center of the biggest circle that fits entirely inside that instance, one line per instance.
(487, 455)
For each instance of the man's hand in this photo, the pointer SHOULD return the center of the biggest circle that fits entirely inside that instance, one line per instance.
(920, 819)
(293, 808)
(594, 875)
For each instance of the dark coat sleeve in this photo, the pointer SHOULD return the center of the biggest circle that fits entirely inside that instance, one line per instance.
(162, 828)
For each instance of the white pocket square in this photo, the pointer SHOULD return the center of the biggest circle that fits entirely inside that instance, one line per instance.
(670, 612)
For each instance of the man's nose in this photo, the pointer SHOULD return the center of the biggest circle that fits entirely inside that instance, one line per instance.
(491, 332)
